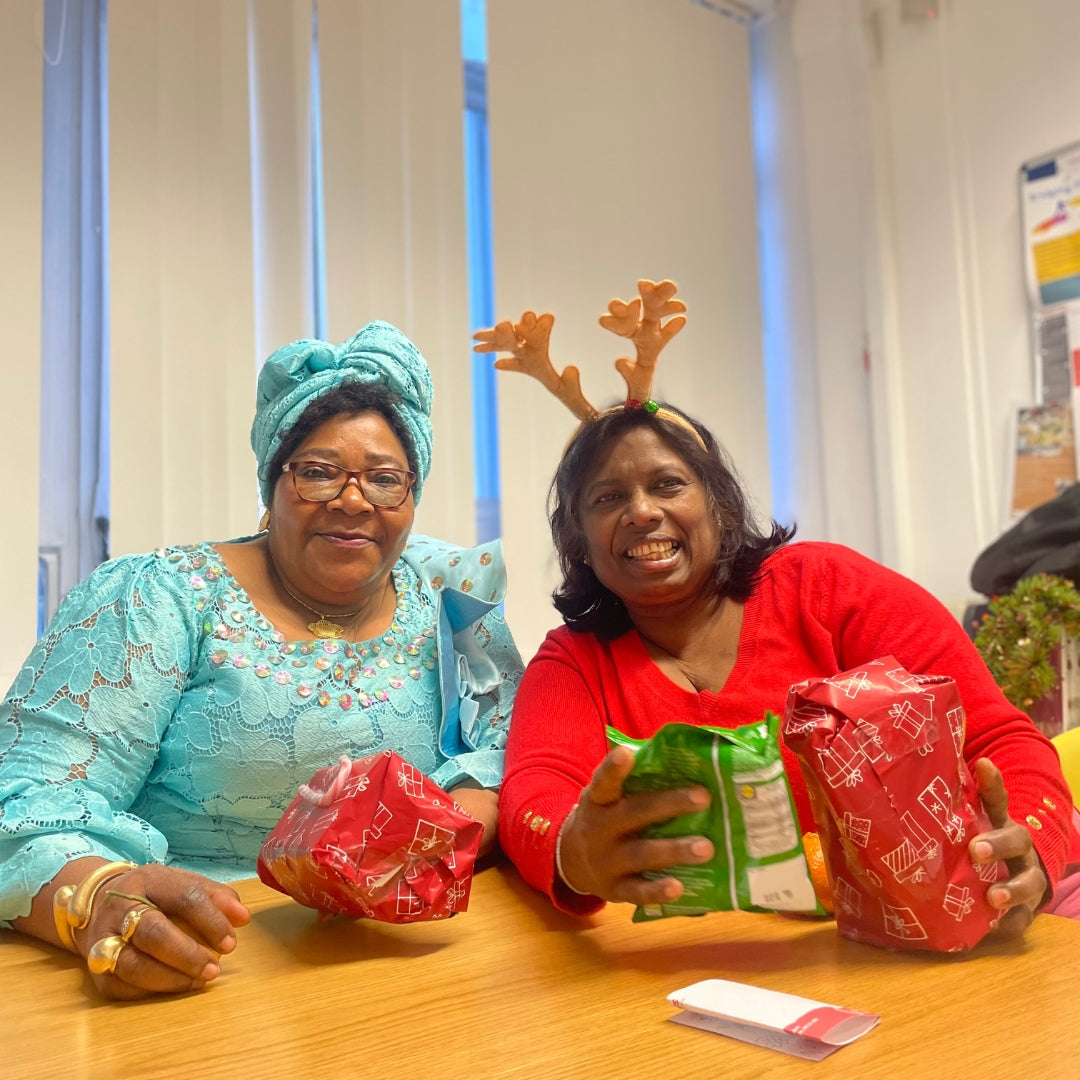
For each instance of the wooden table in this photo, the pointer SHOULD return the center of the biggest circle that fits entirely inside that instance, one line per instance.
(511, 988)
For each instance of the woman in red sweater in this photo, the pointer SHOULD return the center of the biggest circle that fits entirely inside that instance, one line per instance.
(676, 607)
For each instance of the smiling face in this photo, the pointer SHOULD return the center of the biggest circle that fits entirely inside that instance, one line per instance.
(340, 553)
(652, 538)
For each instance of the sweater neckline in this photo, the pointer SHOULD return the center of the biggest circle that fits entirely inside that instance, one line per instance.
(744, 658)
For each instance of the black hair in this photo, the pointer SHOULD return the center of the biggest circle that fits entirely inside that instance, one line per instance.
(587, 605)
(348, 397)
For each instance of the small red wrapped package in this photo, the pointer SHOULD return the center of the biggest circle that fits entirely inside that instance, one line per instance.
(373, 838)
(896, 805)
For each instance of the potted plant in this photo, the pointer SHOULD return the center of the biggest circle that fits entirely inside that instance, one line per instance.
(1021, 639)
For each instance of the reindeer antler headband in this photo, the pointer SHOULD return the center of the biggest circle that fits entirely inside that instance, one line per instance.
(642, 320)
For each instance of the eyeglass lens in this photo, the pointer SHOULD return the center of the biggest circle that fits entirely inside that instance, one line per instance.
(318, 481)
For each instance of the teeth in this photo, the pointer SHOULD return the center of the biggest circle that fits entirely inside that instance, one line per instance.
(656, 547)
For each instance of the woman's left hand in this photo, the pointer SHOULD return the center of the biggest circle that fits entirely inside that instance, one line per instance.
(1019, 895)
(483, 805)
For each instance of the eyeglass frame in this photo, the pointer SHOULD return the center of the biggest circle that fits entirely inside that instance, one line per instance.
(351, 474)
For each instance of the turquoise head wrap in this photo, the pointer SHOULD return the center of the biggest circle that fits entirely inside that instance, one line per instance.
(294, 376)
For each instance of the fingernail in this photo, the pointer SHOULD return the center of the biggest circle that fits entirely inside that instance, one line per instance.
(999, 898)
(984, 850)
(701, 848)
(211, 971)
(699, 797)
(228, 943)
(671, 890)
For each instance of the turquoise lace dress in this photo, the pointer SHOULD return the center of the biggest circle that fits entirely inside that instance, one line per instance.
(161, 718)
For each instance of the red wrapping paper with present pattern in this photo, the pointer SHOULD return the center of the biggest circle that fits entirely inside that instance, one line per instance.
(895, 804)
(373, 838)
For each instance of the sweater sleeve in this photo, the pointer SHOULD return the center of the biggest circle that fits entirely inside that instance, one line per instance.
(557, 728)
(875, 612)
(81, 726)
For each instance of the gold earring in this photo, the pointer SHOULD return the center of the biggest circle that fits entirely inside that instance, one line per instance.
(264, 521)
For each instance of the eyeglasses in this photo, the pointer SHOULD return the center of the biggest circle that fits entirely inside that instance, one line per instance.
(318, 481)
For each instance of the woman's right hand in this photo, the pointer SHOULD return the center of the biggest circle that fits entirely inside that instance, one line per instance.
(160, 957)
(601, 850)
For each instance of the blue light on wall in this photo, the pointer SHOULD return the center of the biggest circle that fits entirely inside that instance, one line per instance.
(481, 267)
(778, 333)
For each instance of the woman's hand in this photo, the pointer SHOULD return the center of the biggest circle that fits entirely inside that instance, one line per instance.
(600, 847)
(482, 804)
(160, 957)
(1018, 896)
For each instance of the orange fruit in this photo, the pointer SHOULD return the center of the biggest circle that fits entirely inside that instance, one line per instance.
(819, 871)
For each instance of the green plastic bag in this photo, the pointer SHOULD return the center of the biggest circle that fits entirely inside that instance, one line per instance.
(759, 863)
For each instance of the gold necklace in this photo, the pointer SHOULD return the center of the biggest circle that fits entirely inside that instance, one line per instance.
(322, 627)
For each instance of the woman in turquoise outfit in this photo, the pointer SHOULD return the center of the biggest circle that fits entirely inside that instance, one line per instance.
(166, 718)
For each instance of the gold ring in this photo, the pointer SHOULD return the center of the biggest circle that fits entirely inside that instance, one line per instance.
(131, 922)
(103, 955)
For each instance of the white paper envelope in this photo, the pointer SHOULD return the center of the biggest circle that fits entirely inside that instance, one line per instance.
(808, 1028)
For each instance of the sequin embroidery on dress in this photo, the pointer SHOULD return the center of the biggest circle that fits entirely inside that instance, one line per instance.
(162, 716)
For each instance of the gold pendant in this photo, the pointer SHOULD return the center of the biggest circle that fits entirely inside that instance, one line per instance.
(324, 628)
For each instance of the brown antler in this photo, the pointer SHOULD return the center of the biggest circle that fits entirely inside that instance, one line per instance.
(647, 331)
(527, 340)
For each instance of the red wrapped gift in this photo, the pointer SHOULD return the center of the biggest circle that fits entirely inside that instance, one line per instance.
(373, 838)
(882, 753)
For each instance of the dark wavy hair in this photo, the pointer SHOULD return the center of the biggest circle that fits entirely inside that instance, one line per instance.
(584, 603)
(348, 397)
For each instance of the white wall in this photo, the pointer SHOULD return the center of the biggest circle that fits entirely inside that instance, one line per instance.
(913, 135)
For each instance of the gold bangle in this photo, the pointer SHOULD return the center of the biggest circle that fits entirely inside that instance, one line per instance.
(81, 904)
(73, 905)
(59, 908)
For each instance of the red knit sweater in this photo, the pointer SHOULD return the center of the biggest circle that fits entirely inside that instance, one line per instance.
(817, 609)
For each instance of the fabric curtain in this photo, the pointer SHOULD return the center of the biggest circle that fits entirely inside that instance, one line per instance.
(214, 234)
(182, 267)
(394, 204)
(636, 161)
(637, 166)
(22, 51)
(74, 331)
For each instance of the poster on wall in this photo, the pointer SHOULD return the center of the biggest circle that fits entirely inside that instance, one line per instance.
(1050, 212)
(1053, 366)
(1050, 217)
(1043, 457)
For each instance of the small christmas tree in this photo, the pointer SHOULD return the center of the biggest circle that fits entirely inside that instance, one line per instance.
(1021, 631)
